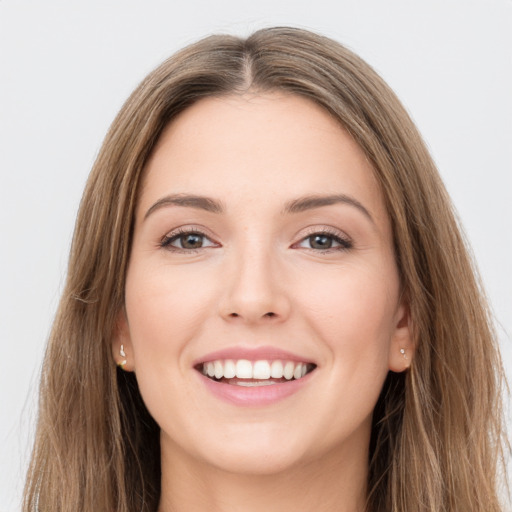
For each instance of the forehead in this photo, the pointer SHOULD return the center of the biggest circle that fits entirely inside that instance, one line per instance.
(262, 148)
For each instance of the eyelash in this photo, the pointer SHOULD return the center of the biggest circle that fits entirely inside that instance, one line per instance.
(167, 240)
(344, 242)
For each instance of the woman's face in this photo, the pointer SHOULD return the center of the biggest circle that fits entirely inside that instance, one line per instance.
(262, 249)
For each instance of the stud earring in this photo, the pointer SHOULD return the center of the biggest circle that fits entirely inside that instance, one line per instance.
(122, 353)
(402, 351)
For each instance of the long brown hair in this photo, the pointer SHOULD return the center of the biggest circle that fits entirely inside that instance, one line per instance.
(437, 433)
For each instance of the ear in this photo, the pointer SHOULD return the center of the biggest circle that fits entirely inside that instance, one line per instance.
(402, 347)
(122, 349)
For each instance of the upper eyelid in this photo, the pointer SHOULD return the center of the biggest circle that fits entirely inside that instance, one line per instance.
(189, 228)
(327, 230)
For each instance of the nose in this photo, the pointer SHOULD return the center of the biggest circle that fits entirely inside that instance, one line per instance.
(253, 292)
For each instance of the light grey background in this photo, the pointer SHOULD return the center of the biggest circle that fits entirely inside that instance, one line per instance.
(65, 70)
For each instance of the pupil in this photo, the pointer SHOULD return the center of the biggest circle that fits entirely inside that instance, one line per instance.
(321, 242)
(191, 241)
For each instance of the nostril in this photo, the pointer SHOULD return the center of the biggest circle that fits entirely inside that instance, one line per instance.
(269, 314)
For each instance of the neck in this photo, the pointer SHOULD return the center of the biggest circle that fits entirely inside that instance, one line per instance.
(334, 482)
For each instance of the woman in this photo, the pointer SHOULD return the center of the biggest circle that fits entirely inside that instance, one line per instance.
(266, 250)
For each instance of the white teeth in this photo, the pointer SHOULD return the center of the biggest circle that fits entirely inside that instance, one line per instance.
(219, 370)
(243, 369)
(276, 370)
(229, 369)
(258, 371)
(261, 370)
(288, 370)
(253, 383)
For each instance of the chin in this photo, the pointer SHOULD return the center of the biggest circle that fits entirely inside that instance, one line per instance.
(250, 449)
(255, 460)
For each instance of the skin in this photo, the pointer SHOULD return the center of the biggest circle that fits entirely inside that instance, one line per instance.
(258, 279)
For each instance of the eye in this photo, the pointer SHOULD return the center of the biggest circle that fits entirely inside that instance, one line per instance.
(325, 241)
(187, 241)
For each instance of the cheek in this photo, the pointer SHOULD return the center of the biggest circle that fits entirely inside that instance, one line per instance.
(353, 312)
(165, 308)
(355, 294)
(353, 316)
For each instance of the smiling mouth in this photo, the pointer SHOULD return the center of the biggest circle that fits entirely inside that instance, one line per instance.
(243, 372)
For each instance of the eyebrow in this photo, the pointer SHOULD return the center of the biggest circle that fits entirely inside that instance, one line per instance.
(299, 205)
(316, 201)
(190, 201)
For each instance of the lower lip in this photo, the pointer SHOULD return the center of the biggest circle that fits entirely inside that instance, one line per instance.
(254, 395)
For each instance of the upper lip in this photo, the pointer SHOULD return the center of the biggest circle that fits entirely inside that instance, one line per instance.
(268, 353)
